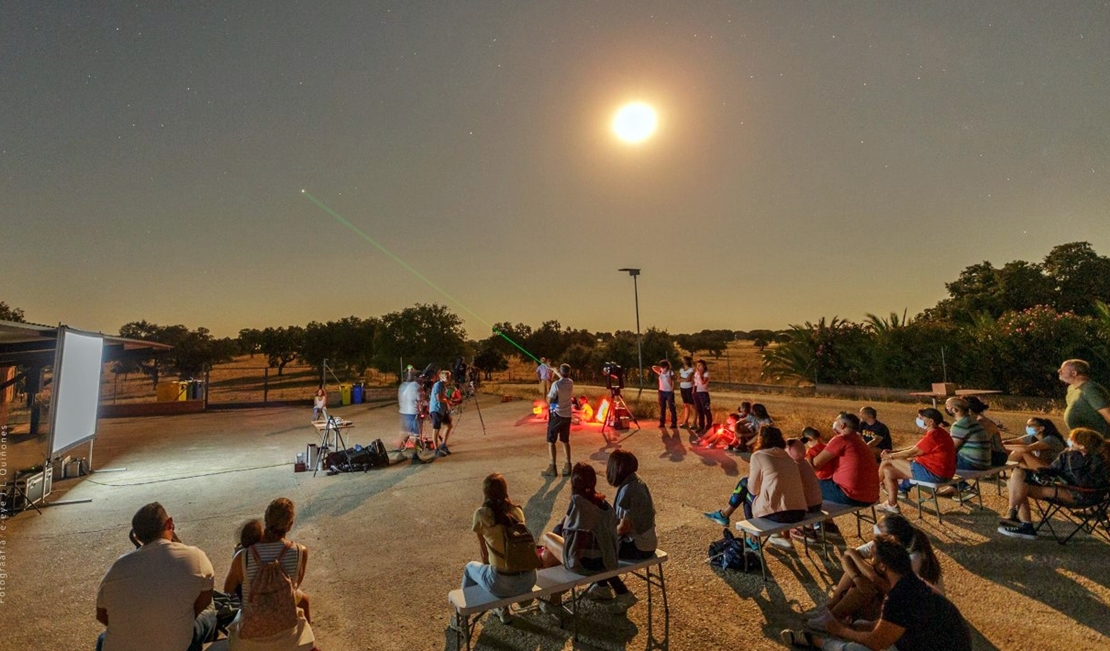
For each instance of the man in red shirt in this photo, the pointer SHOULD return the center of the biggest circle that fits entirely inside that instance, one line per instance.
(855, 476)
(932, 459)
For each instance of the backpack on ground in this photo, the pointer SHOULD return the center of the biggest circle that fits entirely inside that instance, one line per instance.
(729, 553)
(520, 547)
(270, 605)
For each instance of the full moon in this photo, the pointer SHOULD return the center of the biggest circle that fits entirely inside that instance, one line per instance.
(634, 122)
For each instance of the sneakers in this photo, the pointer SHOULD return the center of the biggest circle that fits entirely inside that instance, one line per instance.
(444, 448)
(503, 614)
(555, 610)
(717, 517)
(1025, 531)
(551, 471)
(829, 526)
(440, 452)
(621, 603)
(1011, 519)
(566, 469)
(887, 508)
(751, 544)
(598, 592)
(805, 534)
(797, 639)
(781, 542)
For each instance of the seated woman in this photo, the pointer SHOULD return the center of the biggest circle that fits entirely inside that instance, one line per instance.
(860, 592)
(994, 430)
(586, 539)
(1039, 447)
(973, 443)
(1079, 476)
(252, 629)
(810, 486)
(758, 417)
(855, 475)
(773, 488)
(931, 459)
(635, 526)
(499, 571)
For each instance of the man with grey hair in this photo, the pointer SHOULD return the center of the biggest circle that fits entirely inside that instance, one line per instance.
(157, 597)
(1088, 402)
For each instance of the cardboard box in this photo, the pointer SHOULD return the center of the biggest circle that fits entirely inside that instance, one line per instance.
(944, 388)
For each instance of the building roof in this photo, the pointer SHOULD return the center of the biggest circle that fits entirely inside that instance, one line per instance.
(33, 343)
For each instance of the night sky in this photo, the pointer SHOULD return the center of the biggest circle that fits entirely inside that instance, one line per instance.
(812, 159)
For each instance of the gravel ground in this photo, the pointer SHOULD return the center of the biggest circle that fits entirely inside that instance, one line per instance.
(387, 545)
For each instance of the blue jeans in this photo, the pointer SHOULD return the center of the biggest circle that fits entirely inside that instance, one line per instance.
(832, 492)
(703, 409)
(666, 399)
(498, 584)
(204, 629)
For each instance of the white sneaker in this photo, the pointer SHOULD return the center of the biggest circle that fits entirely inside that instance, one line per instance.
(598, 592)
(503, 614)
(781, 543)
(621, 603)
(887, 508)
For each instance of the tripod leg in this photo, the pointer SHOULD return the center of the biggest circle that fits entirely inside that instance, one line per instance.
(478, 407)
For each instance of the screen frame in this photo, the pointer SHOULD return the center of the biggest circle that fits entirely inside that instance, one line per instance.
(59, 394)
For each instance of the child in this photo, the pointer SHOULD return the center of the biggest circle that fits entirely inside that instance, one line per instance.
(725, 435)
(815, 443)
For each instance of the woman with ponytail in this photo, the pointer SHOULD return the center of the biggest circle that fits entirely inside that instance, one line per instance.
(496, 572)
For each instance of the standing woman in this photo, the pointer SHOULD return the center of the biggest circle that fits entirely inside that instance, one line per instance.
(497, 572)
(686, 387)
(635, 525)
(701, 397)
(251, 631)
(666, 392)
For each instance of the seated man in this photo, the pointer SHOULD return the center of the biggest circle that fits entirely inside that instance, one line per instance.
(157, 597)
(1077, 477)
(914, 616)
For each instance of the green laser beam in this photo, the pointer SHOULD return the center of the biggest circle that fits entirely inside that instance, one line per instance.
(358, 231)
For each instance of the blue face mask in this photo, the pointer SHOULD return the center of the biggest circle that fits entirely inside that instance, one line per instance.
(1031, 431)
(920, 422)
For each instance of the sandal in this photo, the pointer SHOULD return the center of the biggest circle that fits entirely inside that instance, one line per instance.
(798, 639)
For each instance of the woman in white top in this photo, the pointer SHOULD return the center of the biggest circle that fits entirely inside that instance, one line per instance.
(319, 404)
(666, 392)
(701, 397)
(244, 568)
(686, 388)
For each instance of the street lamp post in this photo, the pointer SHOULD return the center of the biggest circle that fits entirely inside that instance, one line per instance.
(639, 344)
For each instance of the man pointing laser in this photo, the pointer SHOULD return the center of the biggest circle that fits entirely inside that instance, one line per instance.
(558, 426)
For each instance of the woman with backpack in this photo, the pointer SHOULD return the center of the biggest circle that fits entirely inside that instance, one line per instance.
(270, 574)
(508, 551)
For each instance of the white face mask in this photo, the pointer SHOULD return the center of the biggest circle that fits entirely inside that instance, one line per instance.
(1031, 431)
(875, 528)
(920, 422)
(1071, 443)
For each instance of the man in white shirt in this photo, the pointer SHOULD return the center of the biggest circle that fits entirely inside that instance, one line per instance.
(558, 427)
(157, 597)
(544, 373)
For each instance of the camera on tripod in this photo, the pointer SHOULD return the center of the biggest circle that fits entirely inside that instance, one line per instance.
(614, 377)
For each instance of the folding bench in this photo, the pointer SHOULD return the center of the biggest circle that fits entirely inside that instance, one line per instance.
(761, 528)
(471, 603)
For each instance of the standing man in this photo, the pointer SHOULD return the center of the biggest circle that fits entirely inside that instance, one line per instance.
(157, 597)
(666, 393)
(440, 409)
(544, 373)
(558, 427)
(408, 405)
(1088, 401)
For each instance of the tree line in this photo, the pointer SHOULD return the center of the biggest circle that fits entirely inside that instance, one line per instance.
(1005, 328)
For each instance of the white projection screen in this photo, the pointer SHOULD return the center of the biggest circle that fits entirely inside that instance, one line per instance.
(76, 390)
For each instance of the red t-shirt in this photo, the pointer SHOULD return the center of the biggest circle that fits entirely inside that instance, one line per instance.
(856, 471)
(938, 453)
(826, 471)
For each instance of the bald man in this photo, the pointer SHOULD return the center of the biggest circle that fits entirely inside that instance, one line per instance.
(1088, 402)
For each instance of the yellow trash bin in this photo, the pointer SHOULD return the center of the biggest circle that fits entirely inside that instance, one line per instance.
(172, 391)
(345, 394)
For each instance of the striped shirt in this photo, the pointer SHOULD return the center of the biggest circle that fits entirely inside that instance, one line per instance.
(976, 449)
(267, 552)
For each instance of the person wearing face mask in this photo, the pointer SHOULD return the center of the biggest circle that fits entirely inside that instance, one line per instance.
(914, 617)
(1079, 476)
(973, 444)
(1039, 447)
(859, 594)
(1088, 402)
(855, 476)
(931, 459)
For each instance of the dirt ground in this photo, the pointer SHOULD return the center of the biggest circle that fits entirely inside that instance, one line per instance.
(386, 546)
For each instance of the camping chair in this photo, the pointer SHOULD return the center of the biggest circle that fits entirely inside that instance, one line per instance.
(1091, 514)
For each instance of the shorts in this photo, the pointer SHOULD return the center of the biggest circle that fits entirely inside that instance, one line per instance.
(558, 427)
(832, 492)
(439, 419)
(687, 395)
(408, 423)
(920, 473)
